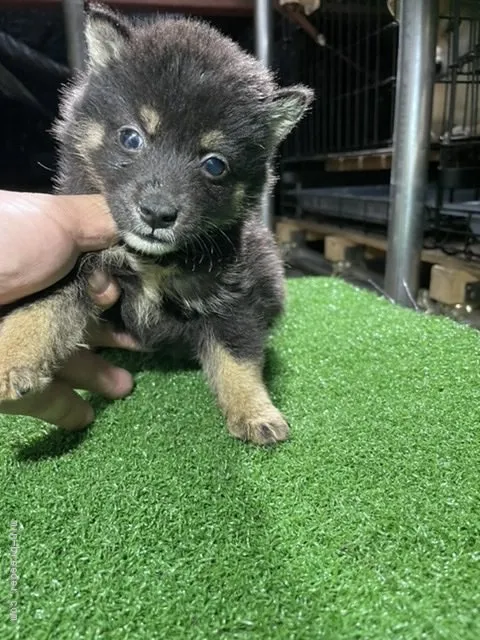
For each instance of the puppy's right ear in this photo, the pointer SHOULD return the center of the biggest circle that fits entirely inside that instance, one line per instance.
(106, 34)
(288, 106)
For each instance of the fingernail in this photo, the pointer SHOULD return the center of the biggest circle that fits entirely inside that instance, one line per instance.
(118, 383)
(98, 282)
(123, 383)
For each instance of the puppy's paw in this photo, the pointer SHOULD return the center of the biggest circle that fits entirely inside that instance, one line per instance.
(26, 351)
(264, 427)
(17, 381)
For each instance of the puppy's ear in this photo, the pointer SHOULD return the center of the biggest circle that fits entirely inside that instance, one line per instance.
(106, 34)
(287, 108)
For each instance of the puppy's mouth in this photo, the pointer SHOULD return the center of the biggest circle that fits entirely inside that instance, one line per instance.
(156, 243)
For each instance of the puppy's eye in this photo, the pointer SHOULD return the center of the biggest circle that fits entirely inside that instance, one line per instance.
(130, 139)
(214, 166)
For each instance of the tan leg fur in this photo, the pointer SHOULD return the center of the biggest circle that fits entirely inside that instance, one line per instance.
(34, 340)
(243, 397)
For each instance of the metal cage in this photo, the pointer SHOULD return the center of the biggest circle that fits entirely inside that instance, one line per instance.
(455, 217)
(352, 70)
(337, 163)
(456, 106)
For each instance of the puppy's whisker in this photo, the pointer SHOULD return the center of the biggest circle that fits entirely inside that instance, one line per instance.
(203, 248)
(44, 166)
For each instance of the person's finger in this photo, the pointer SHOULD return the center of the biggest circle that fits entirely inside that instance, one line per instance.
(104, 335)
(103, 290)
(88, 220)
(58, 405)
(87, 370)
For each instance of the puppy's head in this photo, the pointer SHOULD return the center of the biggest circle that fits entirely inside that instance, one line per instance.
(175, 125)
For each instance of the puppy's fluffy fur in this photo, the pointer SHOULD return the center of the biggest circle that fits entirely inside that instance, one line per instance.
(177, 127)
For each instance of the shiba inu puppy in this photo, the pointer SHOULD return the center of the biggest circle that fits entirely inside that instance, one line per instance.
(177, 127)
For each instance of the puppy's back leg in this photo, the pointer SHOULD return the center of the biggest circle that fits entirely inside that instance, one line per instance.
(36, 338)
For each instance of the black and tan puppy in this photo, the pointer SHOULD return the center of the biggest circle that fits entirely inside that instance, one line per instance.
(177, 127)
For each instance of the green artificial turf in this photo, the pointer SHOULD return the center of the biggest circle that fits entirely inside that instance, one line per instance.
(365, 525)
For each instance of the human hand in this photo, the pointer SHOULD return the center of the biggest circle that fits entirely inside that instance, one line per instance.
(35, 260)
(42, 236)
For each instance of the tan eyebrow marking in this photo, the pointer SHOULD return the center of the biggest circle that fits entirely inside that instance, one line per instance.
(212, 138)
(89, 137)
(93, 134)
(150, 118)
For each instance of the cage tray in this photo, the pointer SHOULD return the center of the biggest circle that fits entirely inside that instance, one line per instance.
(372, 203)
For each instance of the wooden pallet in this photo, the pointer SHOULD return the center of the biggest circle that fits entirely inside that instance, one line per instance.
(376, 160)
(452, 279)
(369, 160)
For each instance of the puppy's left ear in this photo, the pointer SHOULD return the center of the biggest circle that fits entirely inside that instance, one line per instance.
(287, 108)
(106, 34)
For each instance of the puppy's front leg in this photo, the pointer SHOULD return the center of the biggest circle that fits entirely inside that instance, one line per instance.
(242, 395)
(38, 337)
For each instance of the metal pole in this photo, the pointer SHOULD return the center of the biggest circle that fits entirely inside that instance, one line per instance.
(74, 13)
(411, 146)
(263, 19)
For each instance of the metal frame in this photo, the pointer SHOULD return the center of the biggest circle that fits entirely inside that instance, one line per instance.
(74, 11)
(263, 20)
(413, 108)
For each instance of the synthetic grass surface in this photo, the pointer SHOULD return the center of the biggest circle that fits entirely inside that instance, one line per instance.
(366, 525)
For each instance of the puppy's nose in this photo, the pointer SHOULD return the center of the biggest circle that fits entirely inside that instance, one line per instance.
(158, 213)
